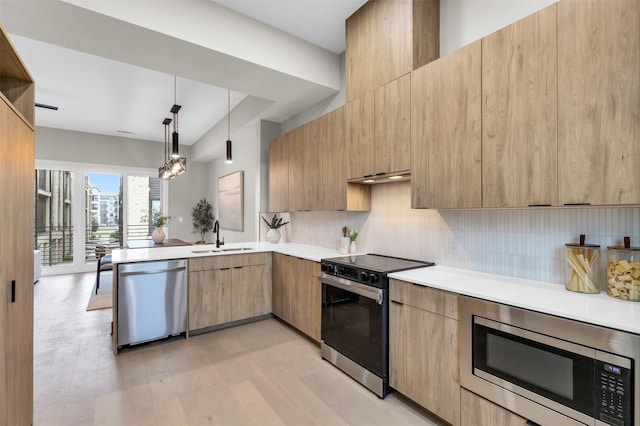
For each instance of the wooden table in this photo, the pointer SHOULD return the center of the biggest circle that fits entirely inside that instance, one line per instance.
(169, 242)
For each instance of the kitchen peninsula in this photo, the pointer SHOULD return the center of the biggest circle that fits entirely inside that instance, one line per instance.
(228, 285)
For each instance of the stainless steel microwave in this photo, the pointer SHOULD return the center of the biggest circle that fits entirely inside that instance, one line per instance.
(547, 369)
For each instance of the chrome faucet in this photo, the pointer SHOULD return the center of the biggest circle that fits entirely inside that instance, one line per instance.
(216, 229)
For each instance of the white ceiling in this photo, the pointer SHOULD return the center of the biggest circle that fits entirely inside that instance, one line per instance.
(96, 94)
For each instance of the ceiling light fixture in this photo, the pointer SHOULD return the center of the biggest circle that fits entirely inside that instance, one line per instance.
(164, 171)
(229, 156)
(174, 110)
(174, 165)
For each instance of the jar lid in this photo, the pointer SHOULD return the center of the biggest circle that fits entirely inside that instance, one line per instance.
(581, 244)
(626, 247)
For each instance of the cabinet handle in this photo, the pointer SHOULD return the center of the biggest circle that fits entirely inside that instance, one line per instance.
(577, 204)
(540, 205)
(237, 267)
(397, 303)
(224, 269)
(530, 423)
(13, 291)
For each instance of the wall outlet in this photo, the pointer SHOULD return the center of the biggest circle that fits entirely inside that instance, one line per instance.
(453, 245)
(180, 219)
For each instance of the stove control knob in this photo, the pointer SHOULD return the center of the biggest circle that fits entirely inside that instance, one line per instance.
(374, 277)
(364, 276)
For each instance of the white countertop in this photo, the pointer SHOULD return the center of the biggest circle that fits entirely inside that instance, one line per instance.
(303, 251)
(598, 309)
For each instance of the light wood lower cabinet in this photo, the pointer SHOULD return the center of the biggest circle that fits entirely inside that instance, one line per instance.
(423, 348)
(228, 288)
(477, 411)
(297, 293)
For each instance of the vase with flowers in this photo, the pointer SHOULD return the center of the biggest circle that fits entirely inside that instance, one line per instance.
(273, 234)
(158, 221)
(353, 235)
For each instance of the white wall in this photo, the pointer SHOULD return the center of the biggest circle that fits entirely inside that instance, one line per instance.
(249, 154)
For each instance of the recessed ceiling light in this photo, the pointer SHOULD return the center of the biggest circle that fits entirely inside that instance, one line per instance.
(368, 181)
(395, 177)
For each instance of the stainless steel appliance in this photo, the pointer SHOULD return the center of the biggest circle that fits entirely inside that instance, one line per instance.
(550, 370)
(355, 315)
(152, 300)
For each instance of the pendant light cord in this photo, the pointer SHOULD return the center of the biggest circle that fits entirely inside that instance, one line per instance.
(228, 114)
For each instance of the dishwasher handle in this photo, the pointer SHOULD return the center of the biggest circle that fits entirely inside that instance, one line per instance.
(153, 271)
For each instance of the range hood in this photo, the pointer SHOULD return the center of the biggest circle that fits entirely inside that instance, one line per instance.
(383, 178)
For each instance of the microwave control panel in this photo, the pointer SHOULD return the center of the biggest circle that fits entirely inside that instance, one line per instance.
(616, 388)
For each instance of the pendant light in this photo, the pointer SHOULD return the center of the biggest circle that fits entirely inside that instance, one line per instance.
(174, 110)
(164, 171)
(229, 156)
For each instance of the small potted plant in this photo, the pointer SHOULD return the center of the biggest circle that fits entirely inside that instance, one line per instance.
(202, 219)
(353, 235)
(158, 221)
(273, 234)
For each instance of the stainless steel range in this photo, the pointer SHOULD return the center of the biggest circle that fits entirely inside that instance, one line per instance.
(355, 315)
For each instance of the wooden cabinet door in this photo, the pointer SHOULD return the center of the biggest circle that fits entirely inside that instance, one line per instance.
(477, 411)
(431, 362)
(282, 295)
(599, 102)
(333, 162)
(392, 40)
(209, 298)
(314, 138)
(279, 174)
(296, 143)
(16, 266)
(446, 131)
(359, 116)
(392, 139)
(398, 357)
(250, 292)
(519, 113)
(360, 51)
(308, 292)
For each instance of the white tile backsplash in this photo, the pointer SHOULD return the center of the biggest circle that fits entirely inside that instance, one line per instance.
(525, 243)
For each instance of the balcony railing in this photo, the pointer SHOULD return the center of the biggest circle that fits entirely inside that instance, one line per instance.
(56, 242)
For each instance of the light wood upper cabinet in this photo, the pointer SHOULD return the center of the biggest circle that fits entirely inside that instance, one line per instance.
(446, 131)
(392, 137)
(279, 174)
(386, 39)
(423, 347)
(477, 411)
(297, 145)
(315, 137)
(599, 102)
(16, 244)
(519, 113)
(359, 119)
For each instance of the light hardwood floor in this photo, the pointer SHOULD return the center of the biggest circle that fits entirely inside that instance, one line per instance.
(262, 373)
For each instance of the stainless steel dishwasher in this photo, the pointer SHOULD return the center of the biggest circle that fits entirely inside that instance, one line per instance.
(152, 300)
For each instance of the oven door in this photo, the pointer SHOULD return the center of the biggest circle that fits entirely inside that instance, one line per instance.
(353, 318)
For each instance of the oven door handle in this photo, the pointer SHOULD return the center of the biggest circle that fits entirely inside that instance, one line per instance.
(354, 287)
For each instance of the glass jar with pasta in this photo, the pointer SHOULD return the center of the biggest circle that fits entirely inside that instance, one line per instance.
(581, 264)
(623, 271)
